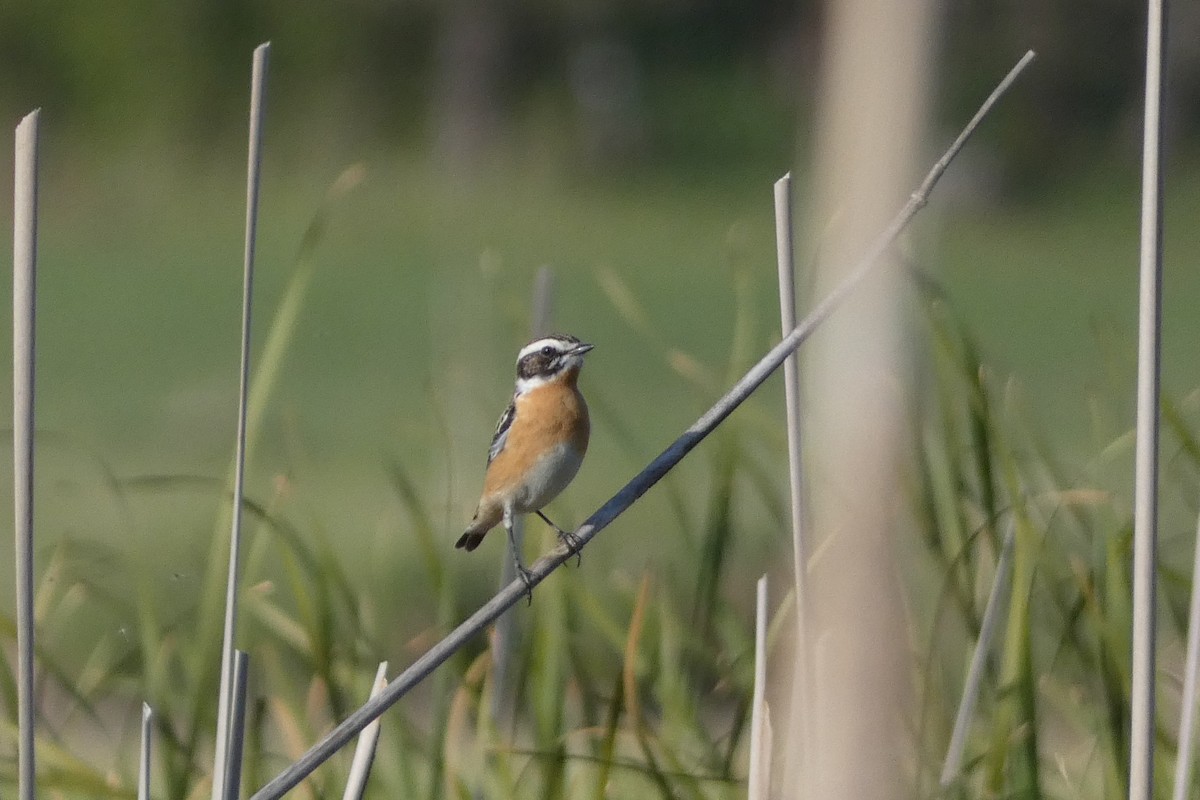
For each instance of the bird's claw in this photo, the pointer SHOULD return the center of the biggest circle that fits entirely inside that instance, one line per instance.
(573, 544)
(526, 577)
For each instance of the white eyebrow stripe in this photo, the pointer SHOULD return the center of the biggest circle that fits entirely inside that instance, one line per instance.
(549, 341)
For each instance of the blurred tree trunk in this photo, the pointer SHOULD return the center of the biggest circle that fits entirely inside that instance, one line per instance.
(472, 65)
(606, 87)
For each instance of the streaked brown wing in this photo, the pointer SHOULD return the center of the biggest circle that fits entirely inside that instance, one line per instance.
(501, 434)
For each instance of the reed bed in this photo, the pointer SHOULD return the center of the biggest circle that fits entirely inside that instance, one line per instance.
(633, 684)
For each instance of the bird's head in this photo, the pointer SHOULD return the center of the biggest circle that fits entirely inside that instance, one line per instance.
(547, 358)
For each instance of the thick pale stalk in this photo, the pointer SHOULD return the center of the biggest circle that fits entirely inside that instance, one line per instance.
(873, 100)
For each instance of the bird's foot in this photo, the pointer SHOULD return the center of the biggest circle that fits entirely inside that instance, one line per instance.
(526, 577)
(573, 543)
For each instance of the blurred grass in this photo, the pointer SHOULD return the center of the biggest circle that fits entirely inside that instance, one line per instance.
(1045, 286)
(438, 317)
(135, 347)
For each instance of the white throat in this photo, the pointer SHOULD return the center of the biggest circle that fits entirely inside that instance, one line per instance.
(529, 384)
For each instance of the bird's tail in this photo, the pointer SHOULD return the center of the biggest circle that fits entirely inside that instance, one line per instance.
(469, 540)
(480, 525)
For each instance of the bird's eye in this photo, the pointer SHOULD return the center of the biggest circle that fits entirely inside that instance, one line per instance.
(548, 351)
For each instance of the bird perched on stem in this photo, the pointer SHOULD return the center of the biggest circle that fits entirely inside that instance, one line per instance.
(538, 446)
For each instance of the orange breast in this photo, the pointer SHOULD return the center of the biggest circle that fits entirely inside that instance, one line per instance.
(550, 415)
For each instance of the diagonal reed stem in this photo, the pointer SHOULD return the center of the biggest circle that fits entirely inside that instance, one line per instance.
(639, 484)
(952, 765)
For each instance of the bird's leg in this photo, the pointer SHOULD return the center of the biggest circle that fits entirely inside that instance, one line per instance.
(574, 546)
(526, 575)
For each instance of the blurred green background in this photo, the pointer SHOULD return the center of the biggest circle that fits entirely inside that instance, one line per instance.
(495, 138)
(629, 146)
(630, 140)
(636, 140)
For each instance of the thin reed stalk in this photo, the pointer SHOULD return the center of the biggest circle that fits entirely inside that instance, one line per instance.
(145, 753)
(543, 302)
(1185, 752)
(639, 484)
(364, 751)
(253, 170)
(759, 783)
(1145, 501)
(785, 260)
(952, 765)
(507, 634)
(237, 725)
(25, 197)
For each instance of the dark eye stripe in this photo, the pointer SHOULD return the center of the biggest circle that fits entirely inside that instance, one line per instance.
(536, 364)
(545, 361)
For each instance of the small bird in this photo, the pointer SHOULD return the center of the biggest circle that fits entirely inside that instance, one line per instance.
(539, 443)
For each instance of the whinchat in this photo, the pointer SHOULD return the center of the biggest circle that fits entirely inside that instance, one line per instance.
(539, 442)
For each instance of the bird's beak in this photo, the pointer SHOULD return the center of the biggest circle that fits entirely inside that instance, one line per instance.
(581, 348)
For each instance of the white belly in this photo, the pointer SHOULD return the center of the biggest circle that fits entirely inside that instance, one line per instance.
(549, 476)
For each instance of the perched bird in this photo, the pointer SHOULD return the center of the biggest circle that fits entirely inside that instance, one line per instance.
(539, 442)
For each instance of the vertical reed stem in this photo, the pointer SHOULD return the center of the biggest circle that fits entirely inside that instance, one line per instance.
(1145, 504)
(1187, 712)
(237, 725)
(253, 168)
(364, 751)
(507, 633)
(25, 197)
(785, 260)
(144, 760)
(543, 302)
(760, 752)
